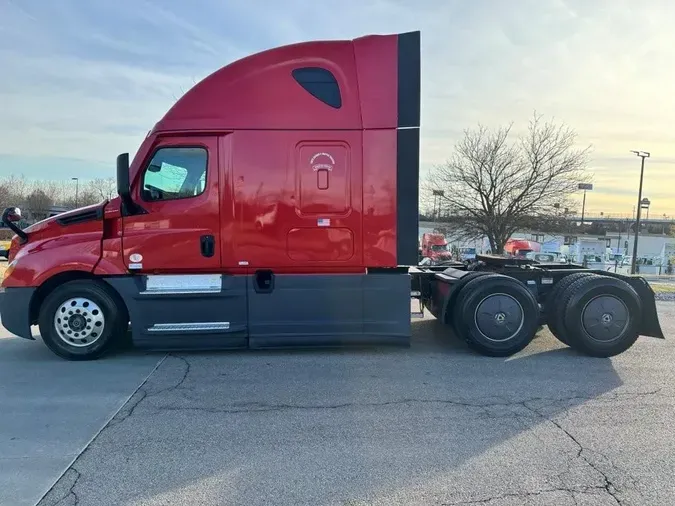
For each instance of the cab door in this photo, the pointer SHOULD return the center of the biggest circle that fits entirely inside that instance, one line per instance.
(179, 230)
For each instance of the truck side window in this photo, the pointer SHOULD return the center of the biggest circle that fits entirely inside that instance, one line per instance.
(320, 83)
(175, 173)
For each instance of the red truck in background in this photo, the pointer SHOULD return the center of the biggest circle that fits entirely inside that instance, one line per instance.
(276, 204)
(435, 248)
(521, 247)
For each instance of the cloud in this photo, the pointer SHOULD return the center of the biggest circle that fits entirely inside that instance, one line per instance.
(86, 80)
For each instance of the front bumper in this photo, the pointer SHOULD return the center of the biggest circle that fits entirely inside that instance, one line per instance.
(15, 310)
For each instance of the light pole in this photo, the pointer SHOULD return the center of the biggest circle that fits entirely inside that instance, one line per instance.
(585, 187)
(77, 187)
(643, 155)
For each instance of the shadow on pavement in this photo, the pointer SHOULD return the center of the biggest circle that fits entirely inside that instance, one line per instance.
(383, 425)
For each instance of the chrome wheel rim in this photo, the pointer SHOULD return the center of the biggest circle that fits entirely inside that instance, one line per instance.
(79, 322)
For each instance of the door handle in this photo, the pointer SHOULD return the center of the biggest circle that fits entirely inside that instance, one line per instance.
(208, 245)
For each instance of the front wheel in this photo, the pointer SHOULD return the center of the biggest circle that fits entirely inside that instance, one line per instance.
(81, 319)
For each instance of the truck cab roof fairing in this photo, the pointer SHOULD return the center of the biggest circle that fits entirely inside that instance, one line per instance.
(260, 92)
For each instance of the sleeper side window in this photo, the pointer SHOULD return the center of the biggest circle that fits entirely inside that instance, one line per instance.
(175, 173)
(320, 83)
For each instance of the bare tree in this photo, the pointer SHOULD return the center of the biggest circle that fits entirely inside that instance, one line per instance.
(12, 191)
(493, 185)
(6, 196)
(38, 204)
(102, 188)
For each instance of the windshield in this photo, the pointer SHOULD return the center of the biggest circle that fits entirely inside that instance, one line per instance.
(439, 247)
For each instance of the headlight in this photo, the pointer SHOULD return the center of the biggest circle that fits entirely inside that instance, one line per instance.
(8, 270)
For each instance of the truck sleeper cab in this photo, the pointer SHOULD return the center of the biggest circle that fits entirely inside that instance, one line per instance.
(276, 204)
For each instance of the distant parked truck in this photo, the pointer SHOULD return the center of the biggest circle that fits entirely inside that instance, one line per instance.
(521, 247)
(189, 255)
(435, 248)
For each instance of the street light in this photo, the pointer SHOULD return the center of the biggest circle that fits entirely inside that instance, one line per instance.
(585, 187)
(643, 155)
(77, 187)
(644, 204)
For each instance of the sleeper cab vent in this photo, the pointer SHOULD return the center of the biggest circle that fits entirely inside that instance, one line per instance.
(320, 83)
(81, 217)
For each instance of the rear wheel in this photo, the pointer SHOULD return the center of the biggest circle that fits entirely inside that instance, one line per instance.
(601, 316)
(455, 317)
(497, 315)
(554, 310)
(81, 319)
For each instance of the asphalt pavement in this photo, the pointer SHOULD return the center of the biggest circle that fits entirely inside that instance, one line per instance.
(434, 424)
(50, 409)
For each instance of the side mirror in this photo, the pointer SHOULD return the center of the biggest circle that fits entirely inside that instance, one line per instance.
(11, 214)
(123, 189)
(123, 184)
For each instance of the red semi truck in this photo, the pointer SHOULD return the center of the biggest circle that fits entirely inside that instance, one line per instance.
(276, 204)
(521, 247)
(435, 248)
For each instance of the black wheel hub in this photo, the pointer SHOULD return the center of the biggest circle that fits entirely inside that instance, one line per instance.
(605, 318)
(77, 322)
(499, 317)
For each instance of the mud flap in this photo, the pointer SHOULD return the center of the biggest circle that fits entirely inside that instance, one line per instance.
(650, 325)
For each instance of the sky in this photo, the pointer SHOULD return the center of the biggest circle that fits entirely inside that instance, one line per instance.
(82, 81)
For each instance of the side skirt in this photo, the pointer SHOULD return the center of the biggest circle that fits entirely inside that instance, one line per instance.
(263, 310)
(177, 312)
(330, 310)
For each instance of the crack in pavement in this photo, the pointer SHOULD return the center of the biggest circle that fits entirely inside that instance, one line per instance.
(71, 490)
(609, 486)
(180, 382)
(128, 409)
(521, 495)
(254, 406)
(141, 394)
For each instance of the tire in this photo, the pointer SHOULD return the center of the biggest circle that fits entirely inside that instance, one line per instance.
(554, 310)
(456, 316)
(602, 316)
(496, 315)
(89, 305)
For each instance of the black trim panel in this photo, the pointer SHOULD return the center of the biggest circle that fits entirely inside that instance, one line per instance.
(15, 310)
(81, 217)
(409, 79)
(331, 310)
(407, 195)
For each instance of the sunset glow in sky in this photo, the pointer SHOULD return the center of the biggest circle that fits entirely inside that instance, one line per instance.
(83, 81)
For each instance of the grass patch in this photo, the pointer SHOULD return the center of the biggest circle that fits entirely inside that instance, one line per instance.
(663, 287)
